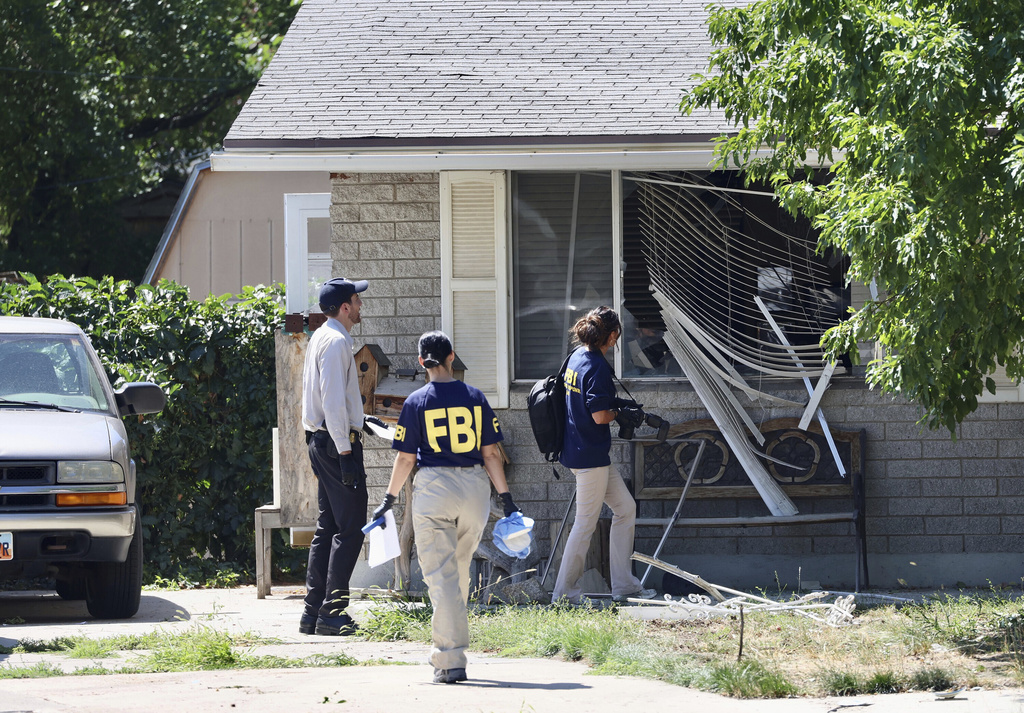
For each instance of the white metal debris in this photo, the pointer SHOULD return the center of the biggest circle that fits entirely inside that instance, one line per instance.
(715, 603)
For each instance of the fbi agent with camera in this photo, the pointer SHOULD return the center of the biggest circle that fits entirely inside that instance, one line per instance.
(448, 429)
(591, 406)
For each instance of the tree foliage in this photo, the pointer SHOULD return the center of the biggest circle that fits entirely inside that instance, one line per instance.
(204, 462)
(917, 106)
(102, 101)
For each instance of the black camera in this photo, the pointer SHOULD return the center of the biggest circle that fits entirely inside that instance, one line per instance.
(658, 424)
(628, 430)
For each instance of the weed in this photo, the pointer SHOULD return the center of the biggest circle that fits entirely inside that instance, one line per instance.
(884, 682)
(38, 670)
(203, 650)
(931, 679)
(840, 683)
(402, 620)
(92, 671)
(32, 646)
(750, 679)
(90, 649)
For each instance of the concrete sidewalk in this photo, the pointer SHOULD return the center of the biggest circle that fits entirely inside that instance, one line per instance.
(497, 685)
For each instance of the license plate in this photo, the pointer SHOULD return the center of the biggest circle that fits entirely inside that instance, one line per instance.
(6, 546)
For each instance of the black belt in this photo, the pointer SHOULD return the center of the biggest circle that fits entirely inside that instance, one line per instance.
(353, 435)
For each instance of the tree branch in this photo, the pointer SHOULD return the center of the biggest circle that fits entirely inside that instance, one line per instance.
(187, 118)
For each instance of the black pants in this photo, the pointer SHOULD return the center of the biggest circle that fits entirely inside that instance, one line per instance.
(338, 539)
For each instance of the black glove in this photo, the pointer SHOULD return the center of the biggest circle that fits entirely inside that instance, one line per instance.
(508, 504)
(384, 506)
(618, 404)
(630, 417)
(349, 469)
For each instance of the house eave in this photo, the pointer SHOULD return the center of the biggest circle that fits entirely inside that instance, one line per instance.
(650, 153)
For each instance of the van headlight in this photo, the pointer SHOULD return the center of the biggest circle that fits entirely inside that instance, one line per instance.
(89, 471)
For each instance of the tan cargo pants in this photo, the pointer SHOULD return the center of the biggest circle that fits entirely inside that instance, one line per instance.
(594, 488)
(449, 512)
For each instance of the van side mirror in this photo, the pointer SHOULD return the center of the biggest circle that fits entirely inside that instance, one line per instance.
(140, 397)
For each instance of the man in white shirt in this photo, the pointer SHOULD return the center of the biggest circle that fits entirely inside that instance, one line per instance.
(332, 415)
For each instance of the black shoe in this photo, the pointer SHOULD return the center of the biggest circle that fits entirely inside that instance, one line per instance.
(307, 624)
(449, 675)
(335, 625)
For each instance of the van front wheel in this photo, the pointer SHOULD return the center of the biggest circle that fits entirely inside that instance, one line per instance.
(114, 589)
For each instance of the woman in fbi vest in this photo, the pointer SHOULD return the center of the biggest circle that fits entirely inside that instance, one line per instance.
(448, 429)
(591, 405)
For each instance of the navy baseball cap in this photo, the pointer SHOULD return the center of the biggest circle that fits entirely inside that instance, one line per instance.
(339, 290)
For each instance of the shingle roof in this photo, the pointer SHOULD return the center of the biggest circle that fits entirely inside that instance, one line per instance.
(442, 71)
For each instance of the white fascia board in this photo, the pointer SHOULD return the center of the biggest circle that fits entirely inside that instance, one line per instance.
(697, 157)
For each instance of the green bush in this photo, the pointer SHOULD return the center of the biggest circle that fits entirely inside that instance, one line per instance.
(204, 463)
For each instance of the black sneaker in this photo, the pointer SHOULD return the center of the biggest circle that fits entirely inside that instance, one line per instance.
(307, 624)
(335, 625)
(449, 675)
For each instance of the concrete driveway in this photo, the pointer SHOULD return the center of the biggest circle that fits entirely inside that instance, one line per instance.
(496, 684)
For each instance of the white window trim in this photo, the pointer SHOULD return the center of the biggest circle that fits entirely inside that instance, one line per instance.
(298, 209)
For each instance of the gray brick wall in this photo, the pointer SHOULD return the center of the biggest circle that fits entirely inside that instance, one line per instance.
(939, 511)
(386, 229)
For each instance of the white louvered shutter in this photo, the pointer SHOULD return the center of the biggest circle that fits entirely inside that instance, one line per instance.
(474, 277)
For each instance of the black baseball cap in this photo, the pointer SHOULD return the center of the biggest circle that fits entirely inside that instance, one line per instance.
(339, 290)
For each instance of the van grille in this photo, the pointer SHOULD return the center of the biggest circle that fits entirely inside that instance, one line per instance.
(28, 473)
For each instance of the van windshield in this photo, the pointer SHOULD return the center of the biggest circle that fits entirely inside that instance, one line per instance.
(50, 369)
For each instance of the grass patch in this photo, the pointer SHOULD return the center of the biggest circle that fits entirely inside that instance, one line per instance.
(750, 679)
(840, 683)
(932, 679)
(884, 682)
(200, 649)
(945, 642)
(38, 670)
(888, 649)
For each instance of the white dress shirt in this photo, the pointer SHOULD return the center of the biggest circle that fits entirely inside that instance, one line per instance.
(330, 384)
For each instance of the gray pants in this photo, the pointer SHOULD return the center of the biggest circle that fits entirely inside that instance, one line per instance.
(450, 508)
(594, 488)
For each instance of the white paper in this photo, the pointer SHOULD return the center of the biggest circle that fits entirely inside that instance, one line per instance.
(384, 541)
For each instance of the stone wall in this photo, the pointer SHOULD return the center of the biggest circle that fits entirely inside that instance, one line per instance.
(386, 229)
(939, 511)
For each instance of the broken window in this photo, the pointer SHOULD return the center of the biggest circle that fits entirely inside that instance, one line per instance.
(713, 246)
(709, 242)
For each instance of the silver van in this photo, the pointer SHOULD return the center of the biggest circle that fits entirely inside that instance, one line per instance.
(67, 480)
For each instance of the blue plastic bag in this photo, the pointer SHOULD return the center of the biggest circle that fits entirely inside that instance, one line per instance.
(512, 535)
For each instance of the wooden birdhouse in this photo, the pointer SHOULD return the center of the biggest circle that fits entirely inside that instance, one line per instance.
(372, 364)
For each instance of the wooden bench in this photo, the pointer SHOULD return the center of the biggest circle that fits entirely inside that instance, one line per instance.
(671, 470)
